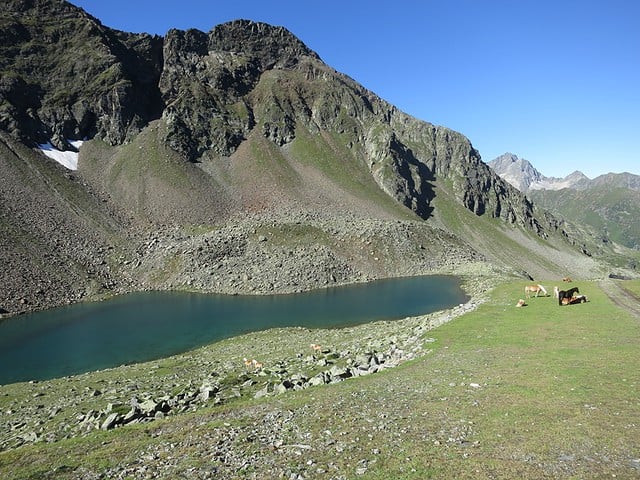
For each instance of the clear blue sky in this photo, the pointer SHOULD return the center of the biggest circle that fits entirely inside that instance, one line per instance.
(554, 81)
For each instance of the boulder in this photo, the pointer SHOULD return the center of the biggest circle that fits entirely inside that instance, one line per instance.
(111, 421)
(132, 415)
(339, 373)
(148, 406)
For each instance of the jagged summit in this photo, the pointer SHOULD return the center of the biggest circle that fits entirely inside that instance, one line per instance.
(275, 46)
(523, 175)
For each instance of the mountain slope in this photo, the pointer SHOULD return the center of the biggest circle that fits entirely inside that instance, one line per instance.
(237, 161)
(603, 210)
(611, 211)
(55, 233)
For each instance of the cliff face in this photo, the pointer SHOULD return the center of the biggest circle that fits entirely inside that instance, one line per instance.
(65, 76)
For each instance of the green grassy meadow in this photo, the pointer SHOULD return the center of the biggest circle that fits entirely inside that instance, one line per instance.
(558, 386)
(632, 286)
(502, 392)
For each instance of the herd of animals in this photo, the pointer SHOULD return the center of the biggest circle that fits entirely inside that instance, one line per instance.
(569, 296)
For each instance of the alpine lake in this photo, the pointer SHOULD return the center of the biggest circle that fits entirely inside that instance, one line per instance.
(144, 326)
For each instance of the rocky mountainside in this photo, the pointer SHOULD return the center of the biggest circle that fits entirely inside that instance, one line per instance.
(65, 76)
(233, 161)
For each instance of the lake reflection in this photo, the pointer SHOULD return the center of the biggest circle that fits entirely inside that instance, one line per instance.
(144, 326)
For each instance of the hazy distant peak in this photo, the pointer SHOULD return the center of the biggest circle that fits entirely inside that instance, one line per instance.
(576, 176)
(523, 175)
(516, 171)
(624, 180)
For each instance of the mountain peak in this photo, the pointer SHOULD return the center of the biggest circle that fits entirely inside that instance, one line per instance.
(516, 171)
(274, 45)
(523, 175)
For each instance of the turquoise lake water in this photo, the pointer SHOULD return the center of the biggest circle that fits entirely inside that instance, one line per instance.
(139, 327)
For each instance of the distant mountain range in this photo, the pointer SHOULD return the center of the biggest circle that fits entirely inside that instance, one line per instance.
(607, 207)
(522, 174)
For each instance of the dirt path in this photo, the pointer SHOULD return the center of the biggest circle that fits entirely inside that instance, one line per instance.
(621, 297)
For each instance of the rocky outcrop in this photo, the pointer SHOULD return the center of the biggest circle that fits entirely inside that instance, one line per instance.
(69, 77)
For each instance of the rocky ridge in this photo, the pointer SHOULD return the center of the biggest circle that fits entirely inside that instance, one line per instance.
(212, 90)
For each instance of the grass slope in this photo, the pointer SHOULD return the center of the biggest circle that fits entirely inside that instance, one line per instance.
(608, 210)
(503, 392)
(521, 250)
(149, 180)
(603, 215)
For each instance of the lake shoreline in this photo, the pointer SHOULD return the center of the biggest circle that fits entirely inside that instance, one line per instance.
(50, 410)
(291, 253)
(144, 326)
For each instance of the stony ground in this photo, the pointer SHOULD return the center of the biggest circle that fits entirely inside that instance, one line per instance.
(217, 374)
(283, 253)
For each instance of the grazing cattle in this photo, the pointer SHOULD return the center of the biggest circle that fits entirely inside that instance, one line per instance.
(568, 294)
(315, 347)
(575, 299)
(521, 303)
(567, 279)
(529, 289)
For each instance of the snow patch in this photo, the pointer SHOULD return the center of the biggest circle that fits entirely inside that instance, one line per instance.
(67, 159)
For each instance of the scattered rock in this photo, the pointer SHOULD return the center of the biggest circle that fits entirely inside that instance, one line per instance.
(110, 421)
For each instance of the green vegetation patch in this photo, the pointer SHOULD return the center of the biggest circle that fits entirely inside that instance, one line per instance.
(551, 377)
(270, 163)
(328, 153)
(632, 286)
